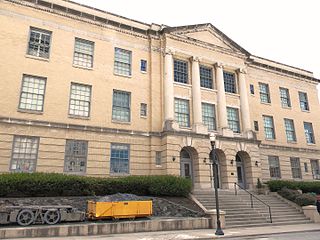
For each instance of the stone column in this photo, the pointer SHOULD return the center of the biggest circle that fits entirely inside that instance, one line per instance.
(222, 106)
(244, 102)
(168, 91)
(198, 127)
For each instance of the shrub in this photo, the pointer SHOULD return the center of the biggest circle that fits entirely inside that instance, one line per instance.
(54, 184)
(305, 199)
(289, 193)
(305, 187)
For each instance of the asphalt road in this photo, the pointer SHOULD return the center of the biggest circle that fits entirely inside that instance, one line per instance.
(284, 236)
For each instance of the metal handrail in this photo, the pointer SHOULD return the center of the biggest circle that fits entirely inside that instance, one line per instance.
(251, 199)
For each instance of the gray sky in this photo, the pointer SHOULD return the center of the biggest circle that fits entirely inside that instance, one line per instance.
(287, 31)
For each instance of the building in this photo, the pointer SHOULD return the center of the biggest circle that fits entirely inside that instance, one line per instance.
(88, 92)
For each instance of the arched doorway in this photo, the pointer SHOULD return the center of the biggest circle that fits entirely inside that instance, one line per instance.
(214, 156)
(186, 169)
(241, 173)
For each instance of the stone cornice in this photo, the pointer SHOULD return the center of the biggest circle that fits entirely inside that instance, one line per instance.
(285, 148)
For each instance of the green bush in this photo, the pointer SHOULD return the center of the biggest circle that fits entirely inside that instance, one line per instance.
(289, 194)
(305, 187)
(54, 184)
(305, 199)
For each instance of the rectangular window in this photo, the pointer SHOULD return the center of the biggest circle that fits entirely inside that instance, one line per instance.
(233, 119)
(121, 106)
(180, 71)
(256, 125)
(308, 129)
(252, 89)
(39, 43)
(295, 167)
(158, 158)
(274, 167)
(209, 116)
(83, 53)
(119, 161)
(306, 167)
(182, 112)
(143, 65)
(290, 131)
(122, 62)
(80, 98)
(269, 127)
(75, 159)
(206, 79)
(229, 82)
(143, 109)
(315, 168)
(24, 154)
(264, 93)
(304, 104)
(32, 93)
(285, 97)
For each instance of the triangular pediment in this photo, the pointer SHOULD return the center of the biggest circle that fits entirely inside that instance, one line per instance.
(207, 33)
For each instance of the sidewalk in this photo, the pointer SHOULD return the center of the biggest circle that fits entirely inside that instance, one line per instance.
(200, 234)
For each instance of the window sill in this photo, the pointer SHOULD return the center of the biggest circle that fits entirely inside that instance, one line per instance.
(284, 107)
(81, 67)
(266, 103)
(292, 142)
(30, 111)
(144, 117)
(234, 95)
(209, 89)
(37, 58)
(143, 72)
(122, 75)
(158, 166)
(185, 85)
(270, 140)
(185, 128)
(120, 122)
(119, 174)
(306, 111)
(78, 117)
(311, 144)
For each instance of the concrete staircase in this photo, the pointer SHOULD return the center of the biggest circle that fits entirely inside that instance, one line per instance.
(240, 214)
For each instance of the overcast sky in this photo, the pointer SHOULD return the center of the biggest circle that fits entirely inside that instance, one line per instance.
(287, 31)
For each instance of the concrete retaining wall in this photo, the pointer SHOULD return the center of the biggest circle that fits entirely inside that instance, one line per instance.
(87, 229)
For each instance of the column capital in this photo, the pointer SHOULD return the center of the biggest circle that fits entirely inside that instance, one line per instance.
(219, 65)
(169, 51)
(195, 59)
(242, 70)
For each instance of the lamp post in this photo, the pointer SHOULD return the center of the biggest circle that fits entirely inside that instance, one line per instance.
(215, 169)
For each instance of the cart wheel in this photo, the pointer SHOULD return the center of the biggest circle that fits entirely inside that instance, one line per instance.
(52, 216)
(25, 217)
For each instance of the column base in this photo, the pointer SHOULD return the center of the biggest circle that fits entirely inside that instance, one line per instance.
(200, 128)
(170, 125)
(226, 132)
(249, 134)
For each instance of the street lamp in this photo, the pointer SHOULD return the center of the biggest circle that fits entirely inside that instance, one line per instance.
(215, 169)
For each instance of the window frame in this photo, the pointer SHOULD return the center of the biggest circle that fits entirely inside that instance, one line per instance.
(305, 102)
(285, 98)
(158, 158)
(234, 88)
(264, 96)
(116, 67)
(175, 71)
(213, 118)
(295, 168)
(206, 81)
(89, 106)
(41, 32)
(74, 52)
(77, 157)
(43, 95)
(143, 110)
(267, 127)
(237, 121)
(311, 134)
(114, 108)
(274, 171)
(177, 114)
(288, 131)
(113, 144)
(145, 66)
(35, 159)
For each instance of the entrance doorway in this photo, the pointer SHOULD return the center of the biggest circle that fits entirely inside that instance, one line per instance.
(185, 164)
(240, 172)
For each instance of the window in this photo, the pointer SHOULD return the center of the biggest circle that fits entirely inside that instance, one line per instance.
(32, 93)
(143, 109)
(229, 82)
(295, 167)
(39, 43)
(252, 89)
(158, 158)
(274, 167)
(143, 65)
(206, 80)
(306, 167)
(269, 127)
(182, 114)
(80, 97)
(24, 154)
(119, 162)
(233, 119)
(75, 159)
(315, 168)
(285, 97)
(264, 93)
(290, 131)
(304, 104)
(308, 129)
(83, 53)
(122, 62)
(256, 125)
(121, 106)
(209, 116)
(180, 71)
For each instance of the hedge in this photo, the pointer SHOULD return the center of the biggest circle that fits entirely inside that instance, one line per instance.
(302, 199)
(55, 184)
(305, 187)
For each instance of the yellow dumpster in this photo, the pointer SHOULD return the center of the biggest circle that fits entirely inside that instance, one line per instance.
(116, 210)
